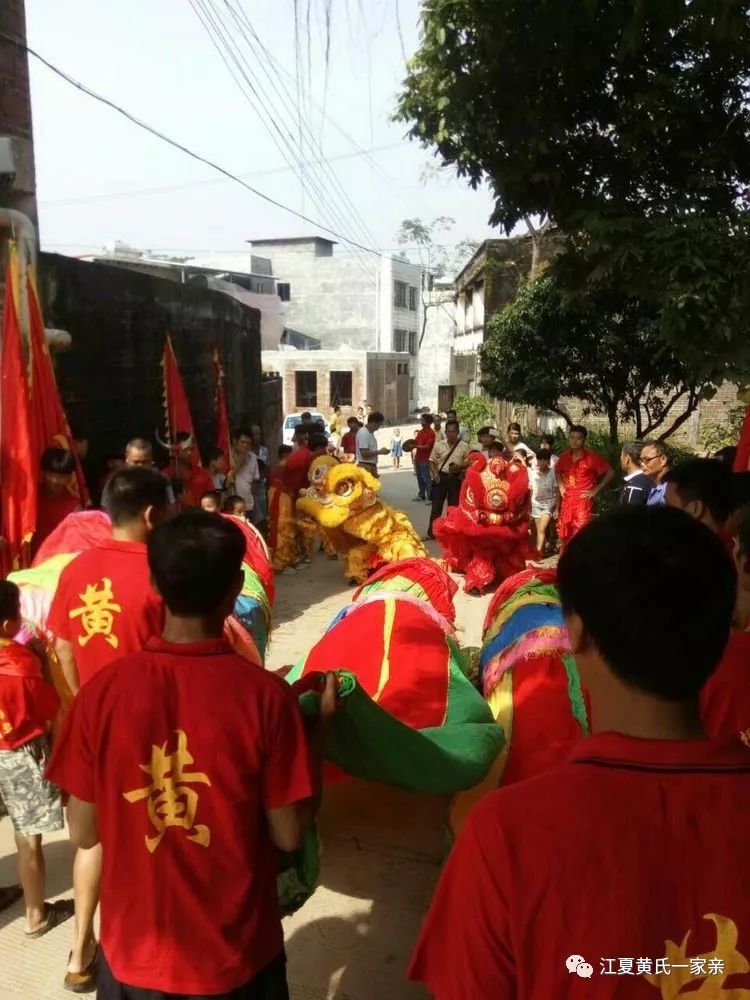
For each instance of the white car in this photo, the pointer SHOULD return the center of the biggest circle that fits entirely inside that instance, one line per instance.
(293, 419)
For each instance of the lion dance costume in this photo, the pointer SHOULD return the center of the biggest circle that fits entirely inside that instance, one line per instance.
(486, 536)
(343, 500)
(529, 678)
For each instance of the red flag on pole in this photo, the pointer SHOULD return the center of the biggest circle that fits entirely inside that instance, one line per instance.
(742, 458)
(19, 466)
(175, 401)
(49, 423)
(223, 439)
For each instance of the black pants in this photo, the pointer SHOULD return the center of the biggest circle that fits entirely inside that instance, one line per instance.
(447, 488)
(269, 984)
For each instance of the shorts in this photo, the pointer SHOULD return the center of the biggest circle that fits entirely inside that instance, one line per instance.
(538, 509)
(33, 803)
(269, 984)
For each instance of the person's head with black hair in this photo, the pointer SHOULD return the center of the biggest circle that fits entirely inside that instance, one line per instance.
(547, 442)
(543, 460)
(234, 504)
(630, 457)
(648, 595)
(139, 453)
(57, 466)
(196, 566)
(307, 417)
(514, 434)
(214, 459)
(242, 440)
(375, 420)
(183, 451)
(284, 450)
(302, 434)
(485, 437)
(317, 443)
(451, 415)
(427, 420)
(136, 501)
(211, 502)
(10, 609)
(577, 437)
(703, 488)
(655, 460)
(353, 424)
(496, 447)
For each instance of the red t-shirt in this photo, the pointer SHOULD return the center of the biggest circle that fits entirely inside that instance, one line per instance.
(52, 508)
(349, 443)
(295, 471)
(630, 846)
(199, 482)
(182, 748)
(583, 474)
(424, 443)
(725, 698)
(27, 703)
(105, 606)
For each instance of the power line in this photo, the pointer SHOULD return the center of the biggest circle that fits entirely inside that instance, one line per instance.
(228, 49)
(206, 181)
(177, 145)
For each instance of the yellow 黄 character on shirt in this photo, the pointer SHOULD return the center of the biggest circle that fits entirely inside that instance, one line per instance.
(97, 613)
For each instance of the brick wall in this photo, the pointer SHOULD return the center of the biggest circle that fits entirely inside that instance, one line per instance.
(15, 93)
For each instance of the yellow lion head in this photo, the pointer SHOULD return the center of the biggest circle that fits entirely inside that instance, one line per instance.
(342, 491)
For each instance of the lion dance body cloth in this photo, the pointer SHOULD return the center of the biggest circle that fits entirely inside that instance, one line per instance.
(343, 500)
(487, 536)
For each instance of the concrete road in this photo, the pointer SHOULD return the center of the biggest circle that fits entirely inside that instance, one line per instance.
(381, 848)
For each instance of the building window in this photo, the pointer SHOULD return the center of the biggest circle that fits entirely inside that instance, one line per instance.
(305, 389)
(399, 340)
(413, 299)
(284, 290)
(413, 342)
(399, 294)
(411, 388)
(340, 388)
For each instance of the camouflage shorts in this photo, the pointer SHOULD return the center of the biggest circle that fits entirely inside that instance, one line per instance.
(34, 804)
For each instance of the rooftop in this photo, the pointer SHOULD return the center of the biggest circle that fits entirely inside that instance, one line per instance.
(279, 240)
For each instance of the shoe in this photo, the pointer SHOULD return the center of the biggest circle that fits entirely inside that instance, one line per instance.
(85, 981)
(288, 571)
(416, 499)
(305, 564)
(306, 559)
(428, 538)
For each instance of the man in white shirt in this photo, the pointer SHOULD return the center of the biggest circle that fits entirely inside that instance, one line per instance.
(367, 444)
(515, 443)
(244, 472)
(448, 461)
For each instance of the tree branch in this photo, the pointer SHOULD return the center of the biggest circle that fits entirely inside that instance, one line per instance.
(693, 400)
(653, 424)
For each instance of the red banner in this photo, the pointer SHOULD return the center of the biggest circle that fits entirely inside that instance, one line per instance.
(176, 406)
(49, 424)
(223, 438)
(19, 465)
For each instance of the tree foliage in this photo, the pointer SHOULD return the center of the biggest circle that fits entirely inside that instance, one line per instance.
(605, 350)
(624, 121)
(473, 412)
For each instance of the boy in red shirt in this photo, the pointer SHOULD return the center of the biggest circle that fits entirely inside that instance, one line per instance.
(630, 860)
(349, 440)
(105, 608)
(189, 824)
(582, 474)
(424, 441)
(55, 501)
(28, 704)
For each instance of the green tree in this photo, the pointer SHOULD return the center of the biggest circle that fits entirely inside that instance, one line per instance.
(605, 350)
(473, 412)
(624, 122)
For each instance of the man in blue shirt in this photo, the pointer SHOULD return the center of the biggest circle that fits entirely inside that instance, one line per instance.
(655, 463)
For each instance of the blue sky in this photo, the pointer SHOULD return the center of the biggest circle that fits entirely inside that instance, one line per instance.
(156, 60)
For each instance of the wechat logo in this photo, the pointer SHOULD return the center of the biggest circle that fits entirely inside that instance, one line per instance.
(579, 965)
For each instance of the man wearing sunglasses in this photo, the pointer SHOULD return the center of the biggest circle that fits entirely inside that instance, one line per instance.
(656, 464)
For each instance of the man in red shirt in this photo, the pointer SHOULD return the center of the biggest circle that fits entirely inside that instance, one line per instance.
(631, 858)
(191, 802)
(349, 440)
(582, 474)
(55, 498)
(194, 478)
(28, 704)
(105, 608)
(424, 441)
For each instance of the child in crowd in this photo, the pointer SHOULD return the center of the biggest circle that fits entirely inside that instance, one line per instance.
(235, 505)
(545, 497)
(397, 447)
(28, 704)
(211, 502)
(217, 468)
(190, 846)
(55, 498)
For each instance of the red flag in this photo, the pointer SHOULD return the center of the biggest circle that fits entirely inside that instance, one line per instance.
(223, 439)
(49, 423)
(19, 467)
(742, 458)
(175, 401)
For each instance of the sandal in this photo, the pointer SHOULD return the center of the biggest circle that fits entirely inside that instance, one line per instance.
(85, 981)
(57, 913)
(9, 894)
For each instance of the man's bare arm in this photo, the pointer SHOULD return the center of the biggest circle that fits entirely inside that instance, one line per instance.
(66, 657)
